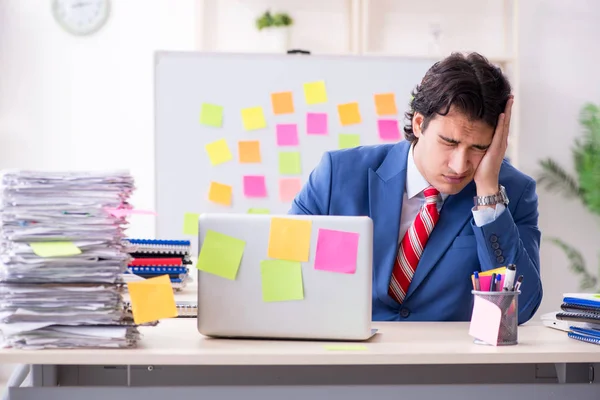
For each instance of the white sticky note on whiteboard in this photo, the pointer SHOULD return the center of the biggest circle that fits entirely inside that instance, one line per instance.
(485, 321)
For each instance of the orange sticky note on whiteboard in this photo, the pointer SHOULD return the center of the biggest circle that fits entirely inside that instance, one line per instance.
(349, 114)
(220, 193)
(283, 103)
(249, 151)
(152, 299)
(385, 104)
(289, 239)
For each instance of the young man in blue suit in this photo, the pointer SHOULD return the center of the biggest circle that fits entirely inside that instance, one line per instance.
(482, 214)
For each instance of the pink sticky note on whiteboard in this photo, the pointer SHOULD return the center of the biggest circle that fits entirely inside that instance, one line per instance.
(316, 123)
(485, 321)
(287, 135)
(254, 186)
(336, 251)
(388, 129)
(289, 188)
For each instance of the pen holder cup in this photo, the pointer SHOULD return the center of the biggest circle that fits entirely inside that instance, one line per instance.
(495, 318)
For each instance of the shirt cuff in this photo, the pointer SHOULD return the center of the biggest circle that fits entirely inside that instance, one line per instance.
(487, 215)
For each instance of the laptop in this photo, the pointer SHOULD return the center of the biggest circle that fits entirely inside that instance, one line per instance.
(333, 305)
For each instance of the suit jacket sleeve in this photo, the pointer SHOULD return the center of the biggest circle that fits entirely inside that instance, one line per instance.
(315, 196)
(514, 238)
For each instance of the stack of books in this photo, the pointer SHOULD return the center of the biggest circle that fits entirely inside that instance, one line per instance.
(62, 260)
(579, 317)
(154, 257)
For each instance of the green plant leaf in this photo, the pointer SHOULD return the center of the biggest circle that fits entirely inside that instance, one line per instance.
(577, 264)
(586, 155)
(555, 178)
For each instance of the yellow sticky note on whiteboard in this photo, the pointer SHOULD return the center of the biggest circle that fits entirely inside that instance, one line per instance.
(315, 93)
(289, 239)
(152, 299)
(218, 152)
(253, 118)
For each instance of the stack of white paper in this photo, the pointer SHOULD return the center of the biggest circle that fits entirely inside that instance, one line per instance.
(61, 260)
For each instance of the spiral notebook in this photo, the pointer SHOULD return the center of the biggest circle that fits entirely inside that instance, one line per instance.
(584, 338)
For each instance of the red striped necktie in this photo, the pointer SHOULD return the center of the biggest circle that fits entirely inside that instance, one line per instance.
(412, 245)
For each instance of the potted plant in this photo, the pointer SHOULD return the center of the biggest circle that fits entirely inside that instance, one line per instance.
(585, 187)
(275, 31)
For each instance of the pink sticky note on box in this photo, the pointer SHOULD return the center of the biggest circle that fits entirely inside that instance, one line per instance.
(485, 321)
(316, 123)
(254, 186)
(336, 251)
(289, 188)
(287, 135)
(388, 129)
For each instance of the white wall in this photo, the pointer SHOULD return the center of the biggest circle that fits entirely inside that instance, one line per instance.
(86, 103)
(559, 60)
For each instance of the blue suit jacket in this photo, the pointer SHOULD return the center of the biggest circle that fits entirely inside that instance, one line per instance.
(370, 181)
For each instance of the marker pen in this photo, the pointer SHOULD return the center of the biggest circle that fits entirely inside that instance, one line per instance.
(477, 286)
(509, 278)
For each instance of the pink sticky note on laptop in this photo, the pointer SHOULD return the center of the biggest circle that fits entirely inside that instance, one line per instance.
(336, 251)
(485, 321)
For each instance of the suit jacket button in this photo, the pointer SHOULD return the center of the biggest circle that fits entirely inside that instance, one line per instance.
(495, 245)
(498, 252)
(500, 259)
(493, 238)
(404, 313)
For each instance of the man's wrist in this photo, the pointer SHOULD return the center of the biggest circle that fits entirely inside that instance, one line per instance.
(484, 190)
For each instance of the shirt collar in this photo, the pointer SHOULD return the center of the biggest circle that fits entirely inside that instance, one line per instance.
(415, 182)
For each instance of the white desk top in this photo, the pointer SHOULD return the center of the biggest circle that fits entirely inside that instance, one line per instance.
(177, 342)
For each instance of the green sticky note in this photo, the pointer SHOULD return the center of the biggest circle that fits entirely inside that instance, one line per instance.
(289, 163)
(211, 115)
(259, 211)
(344, 347)
(190, 224)
(220, 255)
(348, 140)
(281, 280)
(55, 249)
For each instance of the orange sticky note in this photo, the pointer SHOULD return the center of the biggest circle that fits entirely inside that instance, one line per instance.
(289, 239)
(220, 193)
(218, 152)
(385, 104)
(349, 114)
(289, 188)
(253, 118)
(152, 299)
(249, 151)
(283, 103)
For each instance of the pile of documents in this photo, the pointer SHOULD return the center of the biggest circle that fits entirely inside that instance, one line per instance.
(62, 258)
(579, 317)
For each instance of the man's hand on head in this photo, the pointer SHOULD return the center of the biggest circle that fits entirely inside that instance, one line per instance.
(487, 174)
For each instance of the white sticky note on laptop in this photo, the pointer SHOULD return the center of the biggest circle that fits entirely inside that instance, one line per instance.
(485, 321)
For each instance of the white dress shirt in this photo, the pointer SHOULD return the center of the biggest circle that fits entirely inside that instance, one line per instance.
(414, 199)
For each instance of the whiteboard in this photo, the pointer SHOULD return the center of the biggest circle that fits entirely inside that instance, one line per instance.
(184, 81)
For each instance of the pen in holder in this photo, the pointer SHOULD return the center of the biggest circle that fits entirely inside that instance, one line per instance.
(495, 317)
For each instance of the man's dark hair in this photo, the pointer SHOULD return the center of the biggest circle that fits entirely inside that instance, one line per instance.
(470, 83)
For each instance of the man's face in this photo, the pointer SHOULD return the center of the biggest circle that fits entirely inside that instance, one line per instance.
(450, 149)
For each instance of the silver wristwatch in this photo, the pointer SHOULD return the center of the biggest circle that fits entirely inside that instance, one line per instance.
(498, 198)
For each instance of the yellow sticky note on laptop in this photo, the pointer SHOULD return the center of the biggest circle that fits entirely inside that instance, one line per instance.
(152, 299)
(253, 118)
(289, 239)
(54, 249)
(281, 280)
(221, 255)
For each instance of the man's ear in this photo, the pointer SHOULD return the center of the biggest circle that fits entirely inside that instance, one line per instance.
(417, 122)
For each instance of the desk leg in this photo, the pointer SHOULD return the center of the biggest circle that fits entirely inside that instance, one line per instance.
(44, 375)
(576, 373)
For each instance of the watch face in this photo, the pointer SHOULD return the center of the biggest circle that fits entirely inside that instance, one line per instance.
(81, 17)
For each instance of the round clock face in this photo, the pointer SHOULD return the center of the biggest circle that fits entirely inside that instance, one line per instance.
(81, 17)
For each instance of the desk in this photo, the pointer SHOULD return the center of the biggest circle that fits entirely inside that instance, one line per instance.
(428, 360)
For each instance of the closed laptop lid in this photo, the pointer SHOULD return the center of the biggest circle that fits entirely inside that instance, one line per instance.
(327, 295)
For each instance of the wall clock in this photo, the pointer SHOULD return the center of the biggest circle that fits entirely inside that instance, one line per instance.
(81, 17)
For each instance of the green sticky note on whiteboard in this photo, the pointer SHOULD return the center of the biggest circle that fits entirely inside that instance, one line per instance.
(259, 211)
(55, 249)
(190, 224)
(289, 163)
(211, 115)
(220, 255)
(348, 140)
(281, 280)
